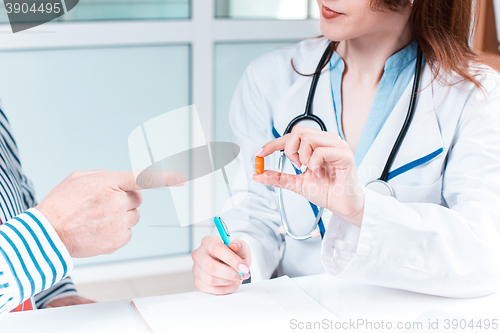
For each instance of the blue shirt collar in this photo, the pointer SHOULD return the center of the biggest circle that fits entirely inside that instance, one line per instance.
(398, 60)
(402, 57)
(398, 72)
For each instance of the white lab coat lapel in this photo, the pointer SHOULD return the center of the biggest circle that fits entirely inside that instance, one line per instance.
(423, 137)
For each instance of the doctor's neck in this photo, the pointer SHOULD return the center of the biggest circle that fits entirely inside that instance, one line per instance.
(365, 56)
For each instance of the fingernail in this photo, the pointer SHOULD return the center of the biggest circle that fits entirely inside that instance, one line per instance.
(246, 276)
(257, 153)
(237, 244)
(241, 281)
(243, 268)
(181, 180)
(296, 166)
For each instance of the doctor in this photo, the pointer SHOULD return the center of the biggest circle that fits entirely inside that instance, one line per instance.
(440, 232)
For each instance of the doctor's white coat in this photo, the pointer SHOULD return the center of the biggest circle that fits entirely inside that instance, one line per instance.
(440, 235)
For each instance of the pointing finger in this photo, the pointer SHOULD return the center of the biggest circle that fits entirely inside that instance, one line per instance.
(148, 179)
(160, 178)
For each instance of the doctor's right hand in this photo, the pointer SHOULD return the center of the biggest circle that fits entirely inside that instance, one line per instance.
(331, 179)
(216, 266)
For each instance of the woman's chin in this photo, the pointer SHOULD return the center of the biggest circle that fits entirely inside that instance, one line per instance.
(336, 37)
(335, 32)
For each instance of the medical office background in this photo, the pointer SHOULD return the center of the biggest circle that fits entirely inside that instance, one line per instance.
(74, 89)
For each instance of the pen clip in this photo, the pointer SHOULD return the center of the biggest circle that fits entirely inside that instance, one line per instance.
(224, 226)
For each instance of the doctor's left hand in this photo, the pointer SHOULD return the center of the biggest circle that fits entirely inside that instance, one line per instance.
(331, 179)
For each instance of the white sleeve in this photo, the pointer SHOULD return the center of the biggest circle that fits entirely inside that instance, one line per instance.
(451, 251)
(256, 220)
(32, 258)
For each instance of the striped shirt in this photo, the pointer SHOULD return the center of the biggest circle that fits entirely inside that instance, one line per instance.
(33, 259)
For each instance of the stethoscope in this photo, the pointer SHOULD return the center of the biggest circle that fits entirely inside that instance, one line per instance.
(380, 185)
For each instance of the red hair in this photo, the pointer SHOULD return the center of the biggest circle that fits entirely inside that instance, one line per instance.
(442, 28)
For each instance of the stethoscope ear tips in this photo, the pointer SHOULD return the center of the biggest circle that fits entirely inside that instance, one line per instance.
(316, 234)
(282, 230)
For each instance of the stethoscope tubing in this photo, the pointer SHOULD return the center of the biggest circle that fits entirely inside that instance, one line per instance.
(309, 116)
(409, 118)
(284, 219)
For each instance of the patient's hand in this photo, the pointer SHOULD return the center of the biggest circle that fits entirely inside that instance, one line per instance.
(93, 212)
(68, 301)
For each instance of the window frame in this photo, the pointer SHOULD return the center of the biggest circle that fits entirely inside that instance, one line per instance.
(203, 30)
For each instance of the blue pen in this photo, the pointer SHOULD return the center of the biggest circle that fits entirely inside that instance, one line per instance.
(222, 229)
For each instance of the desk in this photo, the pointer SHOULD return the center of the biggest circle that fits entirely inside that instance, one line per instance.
(347, 300)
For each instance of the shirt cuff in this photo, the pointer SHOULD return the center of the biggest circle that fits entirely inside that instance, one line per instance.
(64, 288)
(262, 266)
(32, 256)
(346, 246)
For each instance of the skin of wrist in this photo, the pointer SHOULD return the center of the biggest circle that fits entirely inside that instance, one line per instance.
(55, 221)
(356, 218)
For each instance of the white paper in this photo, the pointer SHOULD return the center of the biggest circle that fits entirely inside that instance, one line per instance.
(264, 306)
(209, 315)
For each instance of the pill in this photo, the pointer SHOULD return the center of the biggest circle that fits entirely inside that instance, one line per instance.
(259, 165)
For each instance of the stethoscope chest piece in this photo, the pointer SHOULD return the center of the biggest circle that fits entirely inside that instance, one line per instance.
(380, 187)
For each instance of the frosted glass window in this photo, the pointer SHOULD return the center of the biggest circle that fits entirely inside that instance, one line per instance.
(314, 9)
(90, 10)
(106, 10)
(74, 110)
(231, 60)
(266, 9)
(3, 13)
(496, 4)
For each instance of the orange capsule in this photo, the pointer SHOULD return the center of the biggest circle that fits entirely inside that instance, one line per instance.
(259, 165)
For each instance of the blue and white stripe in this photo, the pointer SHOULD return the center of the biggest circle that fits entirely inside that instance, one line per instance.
(32, 257)
(62, 289)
